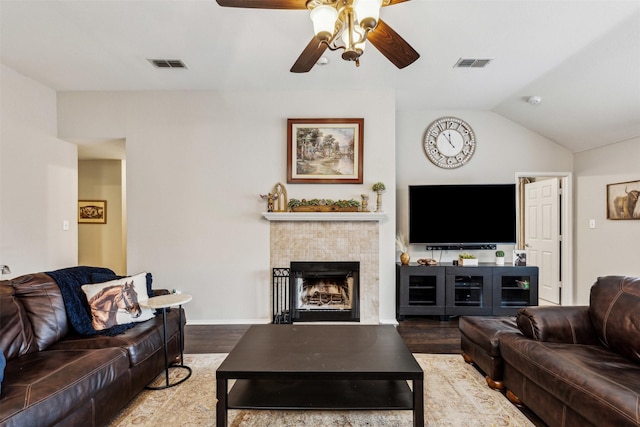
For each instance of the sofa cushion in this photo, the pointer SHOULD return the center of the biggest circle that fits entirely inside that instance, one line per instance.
(16, 334)
(485, 331)
(118, 302)
(480, 341)
(615, 313)
(568, 324)
(140, 342)
(43, 303)
(599, 384)
(43, 388)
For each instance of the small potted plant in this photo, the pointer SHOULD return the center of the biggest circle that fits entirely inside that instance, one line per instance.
(378, 187)
(499, 257)
(466, 260)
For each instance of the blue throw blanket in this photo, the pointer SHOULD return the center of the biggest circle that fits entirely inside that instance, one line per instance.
(70, 281)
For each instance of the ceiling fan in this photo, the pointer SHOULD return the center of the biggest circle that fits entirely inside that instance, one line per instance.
(341, 25)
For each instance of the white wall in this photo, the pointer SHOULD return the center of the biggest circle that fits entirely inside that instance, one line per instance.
(612, 248)
(102, 244)
(38, 180)
(196, 165)
(503, 149)
(197, 162)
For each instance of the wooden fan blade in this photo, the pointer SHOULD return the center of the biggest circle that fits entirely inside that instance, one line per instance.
(264, 4)
(391, 45)
(309, 56)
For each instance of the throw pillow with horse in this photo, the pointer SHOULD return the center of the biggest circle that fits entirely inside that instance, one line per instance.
(118, 302)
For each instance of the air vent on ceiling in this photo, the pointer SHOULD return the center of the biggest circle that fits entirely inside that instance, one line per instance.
(167, 63)
(472, 63)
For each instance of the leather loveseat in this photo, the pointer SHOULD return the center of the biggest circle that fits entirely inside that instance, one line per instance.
(572, 365)
(56, 376)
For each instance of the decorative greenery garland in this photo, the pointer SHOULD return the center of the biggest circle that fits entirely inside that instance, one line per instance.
(294, 203)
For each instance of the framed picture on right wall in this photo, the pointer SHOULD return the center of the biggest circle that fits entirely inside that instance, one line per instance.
(622, 200)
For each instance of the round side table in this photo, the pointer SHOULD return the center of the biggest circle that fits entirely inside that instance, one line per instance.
(163, 302)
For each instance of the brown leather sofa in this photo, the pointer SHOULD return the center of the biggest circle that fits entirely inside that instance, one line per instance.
(578, 365)
(57, 377)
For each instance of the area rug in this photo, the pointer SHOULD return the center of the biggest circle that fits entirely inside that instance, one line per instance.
(455, 394)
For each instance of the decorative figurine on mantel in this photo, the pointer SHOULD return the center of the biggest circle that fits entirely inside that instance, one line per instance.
(279, 195)
(270, 198)
(379, 187)
(365, 201)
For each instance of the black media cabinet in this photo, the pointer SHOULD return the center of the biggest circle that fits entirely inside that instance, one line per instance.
(442, 290)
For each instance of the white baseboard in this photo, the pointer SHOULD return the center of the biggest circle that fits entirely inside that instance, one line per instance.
(266, 321)
(228, 322)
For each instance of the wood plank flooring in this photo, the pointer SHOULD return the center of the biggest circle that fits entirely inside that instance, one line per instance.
(421, 335)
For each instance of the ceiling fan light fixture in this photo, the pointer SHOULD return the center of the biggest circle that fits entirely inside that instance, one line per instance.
(367, 13)
(324, 21)
(356, 39)
(360, 19)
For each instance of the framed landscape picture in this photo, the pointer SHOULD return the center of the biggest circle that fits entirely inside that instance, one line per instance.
(92, 211)
(325, 151)
(622, 200)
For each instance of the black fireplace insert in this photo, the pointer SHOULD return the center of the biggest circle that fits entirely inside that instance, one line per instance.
(324, 291)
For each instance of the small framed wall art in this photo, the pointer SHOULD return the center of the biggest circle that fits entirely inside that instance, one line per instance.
(622, 200)
(325, 151)
(92, 211)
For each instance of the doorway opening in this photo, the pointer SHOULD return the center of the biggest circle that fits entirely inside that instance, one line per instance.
(102, 177)
(545, 231)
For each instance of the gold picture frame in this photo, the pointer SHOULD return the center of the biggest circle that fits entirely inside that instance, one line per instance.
(622, 200)
(325, 151)
(92, 211)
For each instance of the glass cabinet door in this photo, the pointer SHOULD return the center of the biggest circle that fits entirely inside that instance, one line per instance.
(421, 290)
(468, 290)
(514, 288)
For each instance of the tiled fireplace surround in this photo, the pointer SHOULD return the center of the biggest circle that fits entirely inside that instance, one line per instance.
(332, 241)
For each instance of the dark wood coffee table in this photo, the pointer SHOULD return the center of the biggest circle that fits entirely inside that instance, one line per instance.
(320, 367)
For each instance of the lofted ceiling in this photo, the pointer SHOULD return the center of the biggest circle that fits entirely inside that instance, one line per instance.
(581, 57)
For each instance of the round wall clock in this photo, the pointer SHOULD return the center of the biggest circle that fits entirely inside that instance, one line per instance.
(449, 142)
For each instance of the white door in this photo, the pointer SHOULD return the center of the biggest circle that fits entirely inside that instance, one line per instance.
(542, 235)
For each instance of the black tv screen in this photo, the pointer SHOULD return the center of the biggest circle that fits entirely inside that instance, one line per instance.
(462, 215)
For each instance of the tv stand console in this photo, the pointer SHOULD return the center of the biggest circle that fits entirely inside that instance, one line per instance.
(487, 289)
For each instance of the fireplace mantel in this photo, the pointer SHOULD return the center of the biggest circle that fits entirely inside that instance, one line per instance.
(324, 216)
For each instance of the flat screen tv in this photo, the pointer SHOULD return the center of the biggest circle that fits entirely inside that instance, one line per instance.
(472, 215)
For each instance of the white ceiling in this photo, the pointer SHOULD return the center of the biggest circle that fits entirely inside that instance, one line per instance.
(581, 57)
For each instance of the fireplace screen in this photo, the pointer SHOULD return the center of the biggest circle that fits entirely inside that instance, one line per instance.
(325, 291)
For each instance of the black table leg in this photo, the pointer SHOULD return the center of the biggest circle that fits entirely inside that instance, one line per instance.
(221, 407)
(418, 403)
